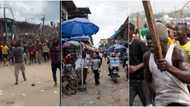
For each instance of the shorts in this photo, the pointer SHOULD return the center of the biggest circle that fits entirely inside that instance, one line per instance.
(19, 66)
(5, 56)
(1, 57)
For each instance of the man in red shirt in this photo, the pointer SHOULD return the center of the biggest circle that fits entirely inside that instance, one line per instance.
(32, 54)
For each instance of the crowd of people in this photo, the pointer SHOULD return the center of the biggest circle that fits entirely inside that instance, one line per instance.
(161, 82)
(28, 50)
(87, 59)
(35, 50)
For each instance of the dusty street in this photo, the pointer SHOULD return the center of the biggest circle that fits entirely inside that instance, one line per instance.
(42, 93)
(106, 94)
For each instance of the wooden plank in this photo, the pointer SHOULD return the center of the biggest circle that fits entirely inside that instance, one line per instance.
(152, 28)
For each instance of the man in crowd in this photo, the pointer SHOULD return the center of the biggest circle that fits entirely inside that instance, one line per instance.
(96, 64)
(85, 62)
(144, 32)
(11, 58)
(45, 49)
(38, 52)
(32, 54)
(167, 77)
(111, 59)
(55, 59)
(135, 68)
(19, 61)
(5, 52)
(171, 37)
(182, 37)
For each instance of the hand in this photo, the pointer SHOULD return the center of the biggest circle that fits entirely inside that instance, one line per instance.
(132, 68)
(162, 64)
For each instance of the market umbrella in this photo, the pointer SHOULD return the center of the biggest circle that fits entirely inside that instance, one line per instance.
(71, 43)
(116, 46)
(78, 27)
(70, 47)
(81, 38)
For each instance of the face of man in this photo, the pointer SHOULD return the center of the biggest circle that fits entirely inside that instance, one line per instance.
(131, 35)
(171, 34)
(131, 31)
(181, 31)
(149, 43)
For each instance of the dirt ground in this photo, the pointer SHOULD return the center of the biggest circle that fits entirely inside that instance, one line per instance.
(106, 94)
(43, 93)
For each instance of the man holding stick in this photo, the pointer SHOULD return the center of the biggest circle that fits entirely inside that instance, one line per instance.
(167, 77)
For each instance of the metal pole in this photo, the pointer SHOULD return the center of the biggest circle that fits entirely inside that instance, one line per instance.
(43, 19)
(4, 14)
(82, 66)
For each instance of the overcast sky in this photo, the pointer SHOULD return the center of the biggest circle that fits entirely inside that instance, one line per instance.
(157, 5)
(32, 11)
(110, 14)
(107, 14)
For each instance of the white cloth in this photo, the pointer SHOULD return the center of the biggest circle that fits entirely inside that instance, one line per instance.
(168, 88)
(45, 48)
(87, 61)
(114, 61)
(95, 64)
(82, 63)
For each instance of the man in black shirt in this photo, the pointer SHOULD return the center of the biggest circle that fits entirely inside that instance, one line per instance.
(136, 67)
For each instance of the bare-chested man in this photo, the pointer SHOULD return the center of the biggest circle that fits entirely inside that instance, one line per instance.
(168, 77)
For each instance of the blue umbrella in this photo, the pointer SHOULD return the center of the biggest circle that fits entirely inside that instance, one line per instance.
(81, 38)
(116, 46)
(78, 27)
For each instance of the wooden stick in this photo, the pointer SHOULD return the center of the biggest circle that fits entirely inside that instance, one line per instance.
(152, 28)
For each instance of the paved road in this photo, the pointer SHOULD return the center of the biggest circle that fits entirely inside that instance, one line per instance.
(24, 94)
(106, 94)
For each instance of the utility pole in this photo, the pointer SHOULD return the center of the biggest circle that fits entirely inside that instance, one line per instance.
(4, 12)
(43, 20)
(5, 33)
(5, 24)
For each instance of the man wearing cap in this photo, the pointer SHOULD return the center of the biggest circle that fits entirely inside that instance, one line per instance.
(168, 77)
